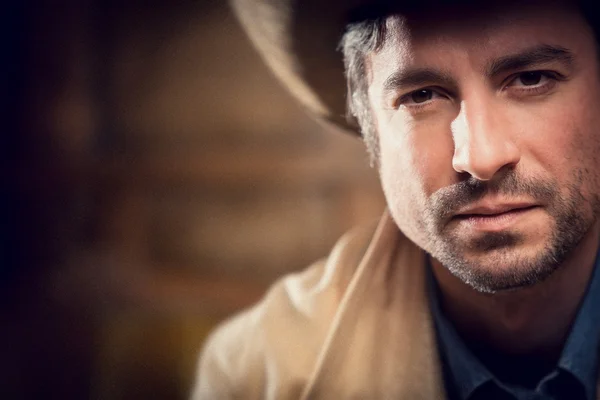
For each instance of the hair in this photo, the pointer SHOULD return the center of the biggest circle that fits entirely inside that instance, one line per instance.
(361, 39)
(367, 36)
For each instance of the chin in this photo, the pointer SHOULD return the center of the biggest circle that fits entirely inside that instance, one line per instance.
(503, 263)
(505, 275)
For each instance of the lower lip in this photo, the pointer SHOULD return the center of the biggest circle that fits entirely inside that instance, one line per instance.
(495, 222)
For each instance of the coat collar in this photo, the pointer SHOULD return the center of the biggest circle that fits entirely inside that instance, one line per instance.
(381, 343)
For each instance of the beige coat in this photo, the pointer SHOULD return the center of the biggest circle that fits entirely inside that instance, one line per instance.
(353, 326)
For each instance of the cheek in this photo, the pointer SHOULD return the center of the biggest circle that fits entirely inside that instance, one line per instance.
(552, 134)
(401, 177)
(563, 141)
(403, 182)
(559, 140)
(415, 162)
(416, 158)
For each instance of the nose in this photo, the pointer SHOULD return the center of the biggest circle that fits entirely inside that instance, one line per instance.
(483, 141)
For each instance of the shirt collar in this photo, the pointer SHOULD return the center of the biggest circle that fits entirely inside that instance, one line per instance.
(579, 356)
(464, 370)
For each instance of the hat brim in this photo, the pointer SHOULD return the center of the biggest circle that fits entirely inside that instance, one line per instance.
(299, 44)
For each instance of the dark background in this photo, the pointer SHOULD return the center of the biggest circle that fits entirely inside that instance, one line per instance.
(155, 179)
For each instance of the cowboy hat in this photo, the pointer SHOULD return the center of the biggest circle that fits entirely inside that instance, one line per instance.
(298, 39)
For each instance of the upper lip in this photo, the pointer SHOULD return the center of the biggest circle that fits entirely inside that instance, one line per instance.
(493, 208)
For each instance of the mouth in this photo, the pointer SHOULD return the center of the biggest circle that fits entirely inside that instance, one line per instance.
(493, 210)
(494, 217)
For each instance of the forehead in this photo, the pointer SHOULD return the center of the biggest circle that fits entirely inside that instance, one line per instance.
(445, 35)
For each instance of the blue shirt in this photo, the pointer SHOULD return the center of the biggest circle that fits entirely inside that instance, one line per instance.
(573, 377)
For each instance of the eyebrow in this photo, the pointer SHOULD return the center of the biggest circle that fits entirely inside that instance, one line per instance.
(530, 57)
(534, 56)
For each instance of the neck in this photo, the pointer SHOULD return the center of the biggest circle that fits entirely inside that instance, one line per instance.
(533, 321)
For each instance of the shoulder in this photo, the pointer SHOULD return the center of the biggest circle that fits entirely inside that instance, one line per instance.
(272, 347)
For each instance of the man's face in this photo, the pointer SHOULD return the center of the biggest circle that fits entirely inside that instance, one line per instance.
(487, 124)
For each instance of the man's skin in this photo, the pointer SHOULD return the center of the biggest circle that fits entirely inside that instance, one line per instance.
(493, 171)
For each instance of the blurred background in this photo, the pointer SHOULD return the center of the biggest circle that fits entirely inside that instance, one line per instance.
(155, 180)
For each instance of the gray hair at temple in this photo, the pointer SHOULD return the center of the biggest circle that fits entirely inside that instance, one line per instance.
(360, 39)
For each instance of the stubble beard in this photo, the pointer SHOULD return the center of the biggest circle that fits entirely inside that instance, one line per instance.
(500, 264)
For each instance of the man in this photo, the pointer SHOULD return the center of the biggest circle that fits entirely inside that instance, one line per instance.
(479, 281)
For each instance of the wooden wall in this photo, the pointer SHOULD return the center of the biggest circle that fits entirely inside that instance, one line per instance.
(165, 179)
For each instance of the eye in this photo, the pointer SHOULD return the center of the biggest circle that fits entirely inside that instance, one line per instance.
(530, 78)
(419, 98)
(532, 83)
